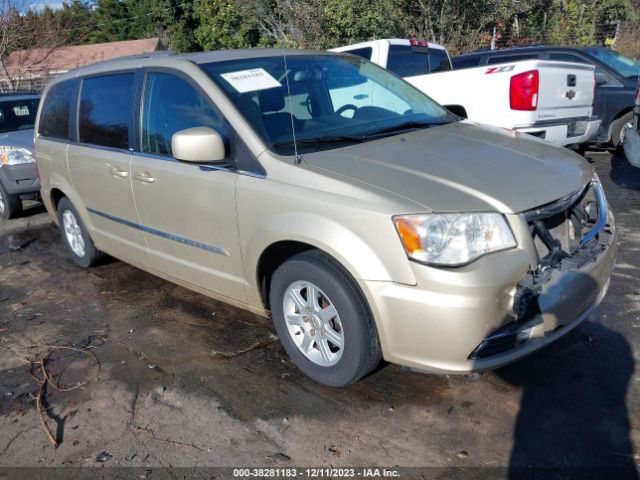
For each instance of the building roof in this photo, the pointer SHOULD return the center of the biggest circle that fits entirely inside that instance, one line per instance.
(48, 61)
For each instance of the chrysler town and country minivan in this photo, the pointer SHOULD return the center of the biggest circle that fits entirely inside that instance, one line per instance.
(388, 230)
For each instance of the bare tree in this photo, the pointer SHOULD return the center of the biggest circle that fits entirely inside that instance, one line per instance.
(27, 39)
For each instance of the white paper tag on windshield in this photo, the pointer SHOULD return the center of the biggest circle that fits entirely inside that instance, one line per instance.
(251, 80)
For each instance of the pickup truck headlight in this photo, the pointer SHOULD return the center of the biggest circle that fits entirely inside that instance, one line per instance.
(15, 155)
(453, 239)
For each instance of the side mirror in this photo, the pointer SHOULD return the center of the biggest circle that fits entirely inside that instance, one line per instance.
(198, 145)
(600, 78)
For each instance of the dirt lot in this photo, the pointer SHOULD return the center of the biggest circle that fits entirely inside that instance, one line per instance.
(187, 381)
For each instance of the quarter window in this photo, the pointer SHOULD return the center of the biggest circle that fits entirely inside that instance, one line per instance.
(56, 111)
(105, 110)
(171, 104)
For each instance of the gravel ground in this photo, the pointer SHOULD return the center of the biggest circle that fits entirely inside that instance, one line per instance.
(185, 381)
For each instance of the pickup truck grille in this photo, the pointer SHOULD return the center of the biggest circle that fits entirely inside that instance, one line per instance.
(562, 229)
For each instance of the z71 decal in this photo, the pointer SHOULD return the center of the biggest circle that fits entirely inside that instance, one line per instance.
(503, 68)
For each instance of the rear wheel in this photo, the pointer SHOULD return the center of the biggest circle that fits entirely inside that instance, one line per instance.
(76, 237)
(618, 128)
(10, 204)
(323, 320)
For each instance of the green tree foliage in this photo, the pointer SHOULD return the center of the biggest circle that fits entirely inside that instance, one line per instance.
(462, 25)
(76, 19)
(225, 24)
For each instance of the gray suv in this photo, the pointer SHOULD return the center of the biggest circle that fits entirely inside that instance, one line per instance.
(18, 174)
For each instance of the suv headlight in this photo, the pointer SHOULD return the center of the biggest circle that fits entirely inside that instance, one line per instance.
(453, 239)
(15, 155)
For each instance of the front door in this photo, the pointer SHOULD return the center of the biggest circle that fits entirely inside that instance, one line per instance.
(187, 211)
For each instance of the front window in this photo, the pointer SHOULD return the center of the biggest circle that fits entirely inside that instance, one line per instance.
(625, 66)
(322, 100)
(17, 114)
(172, 104)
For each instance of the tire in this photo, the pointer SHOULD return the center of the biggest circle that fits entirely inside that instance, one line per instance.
(10, 204)
(83, 253)
(329, 365)
(617, 128)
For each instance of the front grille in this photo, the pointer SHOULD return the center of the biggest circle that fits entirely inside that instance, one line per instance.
(562, 229)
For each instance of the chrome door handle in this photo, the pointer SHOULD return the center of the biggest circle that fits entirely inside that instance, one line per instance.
(144, 177)
(116, 172)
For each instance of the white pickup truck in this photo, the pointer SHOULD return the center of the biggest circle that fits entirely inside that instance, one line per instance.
(549, 99)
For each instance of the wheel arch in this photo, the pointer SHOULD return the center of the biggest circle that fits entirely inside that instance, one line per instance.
(280, 241)
(55, 196)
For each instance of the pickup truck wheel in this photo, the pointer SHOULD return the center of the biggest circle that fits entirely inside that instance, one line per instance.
(618, 127)
(10, 204)
(323, 320)
(75, 236)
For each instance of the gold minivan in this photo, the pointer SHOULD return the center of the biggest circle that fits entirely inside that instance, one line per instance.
(322, 190)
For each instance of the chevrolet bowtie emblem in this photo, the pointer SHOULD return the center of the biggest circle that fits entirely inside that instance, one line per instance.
(570, 94)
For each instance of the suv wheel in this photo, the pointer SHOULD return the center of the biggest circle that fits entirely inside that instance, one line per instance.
(75, 236)
(323, 320)
(10, 204)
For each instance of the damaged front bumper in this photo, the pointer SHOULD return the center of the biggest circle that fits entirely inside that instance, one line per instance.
(506, 305)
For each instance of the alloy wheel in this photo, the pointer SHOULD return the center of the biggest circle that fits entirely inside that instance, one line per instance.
(73, 233)
(313, 323)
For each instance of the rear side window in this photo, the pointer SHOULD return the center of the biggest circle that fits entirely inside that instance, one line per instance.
(465, 62)
(511, 58)
(171, 104)
(56, 111)
(403, 61)
(439, 60)
(105, 110)
(566, 57)
(361, 52)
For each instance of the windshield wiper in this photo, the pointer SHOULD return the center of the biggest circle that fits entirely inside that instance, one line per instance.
(403, 126)
(322, 139)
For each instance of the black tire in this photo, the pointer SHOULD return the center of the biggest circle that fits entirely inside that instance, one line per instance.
(91, 254)
(617, 126)
(362, 352)
(10, 204)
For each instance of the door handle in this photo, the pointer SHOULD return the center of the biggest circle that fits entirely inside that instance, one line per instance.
(116, 172)
(144, 177)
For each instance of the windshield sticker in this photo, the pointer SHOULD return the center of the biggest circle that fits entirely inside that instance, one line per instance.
(251, 80)
(21, 111)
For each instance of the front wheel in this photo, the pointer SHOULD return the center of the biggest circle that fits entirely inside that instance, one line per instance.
(10, 204)
(76, 237)
(323, 320)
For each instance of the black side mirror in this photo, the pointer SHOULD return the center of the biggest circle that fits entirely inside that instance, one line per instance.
(600, 78)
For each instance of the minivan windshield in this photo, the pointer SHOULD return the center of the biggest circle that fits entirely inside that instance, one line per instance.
(17, 114)
(625, 66)
(324, 100)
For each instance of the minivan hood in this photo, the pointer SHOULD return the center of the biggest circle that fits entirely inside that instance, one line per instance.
(462, 167)
(18, 138)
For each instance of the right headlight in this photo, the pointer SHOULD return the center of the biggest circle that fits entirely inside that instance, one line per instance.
(453, 239)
